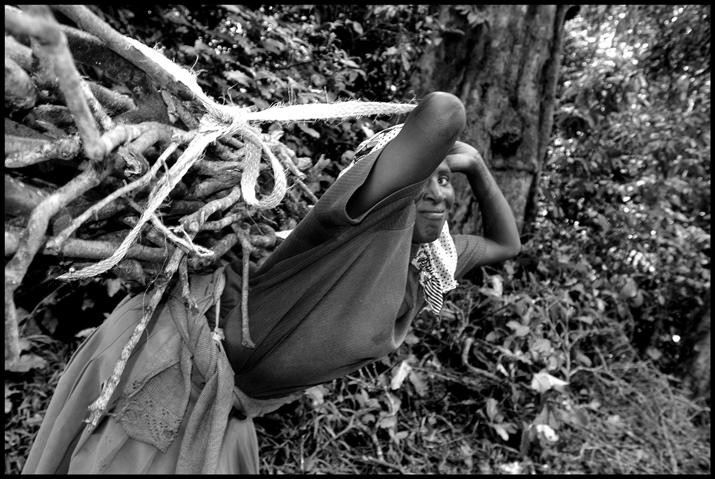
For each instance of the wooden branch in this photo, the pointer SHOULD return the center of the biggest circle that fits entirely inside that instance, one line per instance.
(64, 149)
(221, 169)
(45, 29)
(57, 241)
(209, 187)
(307, 191)
(185, 289)
(224, 222)
(185, 207)
(98, 407)
(18, 53)
(12, 333)
(267, 239)
(21, 198)
(99, 114)
(245, 254)
(20, 92)
(286, 155)
(14, 128)
(114, 102)
(198, 263)
(226, 153)
(193, 222)
(89, 22)
(32, 239)
(130, 162)
(123, 134)
(15, 144)
(149, 233)
(78, 248)
(113, 208)
(132, 270)
(467, 347)
(175, 105)
(156, 133)
(89, 50)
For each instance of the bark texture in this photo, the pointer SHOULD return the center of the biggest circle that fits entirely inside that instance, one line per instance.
(504, 67)
(696, 364)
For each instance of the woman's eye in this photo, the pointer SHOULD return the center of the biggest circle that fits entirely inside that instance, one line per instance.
(443, 181)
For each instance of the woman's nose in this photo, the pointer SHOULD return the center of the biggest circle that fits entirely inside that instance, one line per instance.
(434, 192)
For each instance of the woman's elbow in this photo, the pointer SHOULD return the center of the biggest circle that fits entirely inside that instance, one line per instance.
(509, 250)
(447, 109)
(514, 249)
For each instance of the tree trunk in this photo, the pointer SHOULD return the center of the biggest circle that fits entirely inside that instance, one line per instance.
(696, 359)
(504, 67)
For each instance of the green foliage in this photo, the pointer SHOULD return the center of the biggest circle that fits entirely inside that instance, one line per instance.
(628, 175)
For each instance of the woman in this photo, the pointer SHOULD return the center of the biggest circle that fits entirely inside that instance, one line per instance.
(338, 293)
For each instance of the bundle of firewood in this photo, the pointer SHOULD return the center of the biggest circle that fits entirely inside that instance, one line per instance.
(85, 157)
(129, 168)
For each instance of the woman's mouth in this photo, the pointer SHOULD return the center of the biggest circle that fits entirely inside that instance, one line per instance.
(432, 214)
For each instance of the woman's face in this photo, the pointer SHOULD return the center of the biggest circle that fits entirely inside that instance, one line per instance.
(433, 205)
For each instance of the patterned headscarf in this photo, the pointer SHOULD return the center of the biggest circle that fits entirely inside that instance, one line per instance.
(436, 261)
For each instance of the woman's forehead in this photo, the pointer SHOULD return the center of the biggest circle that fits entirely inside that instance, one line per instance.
(443, 167)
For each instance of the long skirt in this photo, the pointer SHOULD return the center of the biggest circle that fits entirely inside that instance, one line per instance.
(63, 446)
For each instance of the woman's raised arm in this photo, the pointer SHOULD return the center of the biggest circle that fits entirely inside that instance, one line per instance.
(424, 141)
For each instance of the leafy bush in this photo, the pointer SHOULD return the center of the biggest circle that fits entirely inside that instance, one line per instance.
(629, 180)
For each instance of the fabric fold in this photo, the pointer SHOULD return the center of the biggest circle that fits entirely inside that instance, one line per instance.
(151, 408)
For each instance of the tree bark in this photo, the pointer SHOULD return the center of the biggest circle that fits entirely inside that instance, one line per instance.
(696, 364)
(504, 67)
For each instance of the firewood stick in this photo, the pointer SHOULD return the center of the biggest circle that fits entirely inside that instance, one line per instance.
(245, 254)
(78, 248)
(31, 241)
(43, 27)
(56, 242)
(20, 92)
(90, 23)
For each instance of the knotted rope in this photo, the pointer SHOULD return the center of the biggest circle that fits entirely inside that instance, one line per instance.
(222, 121)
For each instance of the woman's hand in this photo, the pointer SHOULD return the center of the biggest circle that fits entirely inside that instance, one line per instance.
(500, 231)
(463, 158)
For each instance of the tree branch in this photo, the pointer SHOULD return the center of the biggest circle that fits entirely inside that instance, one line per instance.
(22, 152)
(115, 102)
(18, 52)
(21, 198)
(30, 242)
(89, 22)
(56, 242)
(78, 248)
(45, 29)
(465, 361)
(20, 92)
(246, 247)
